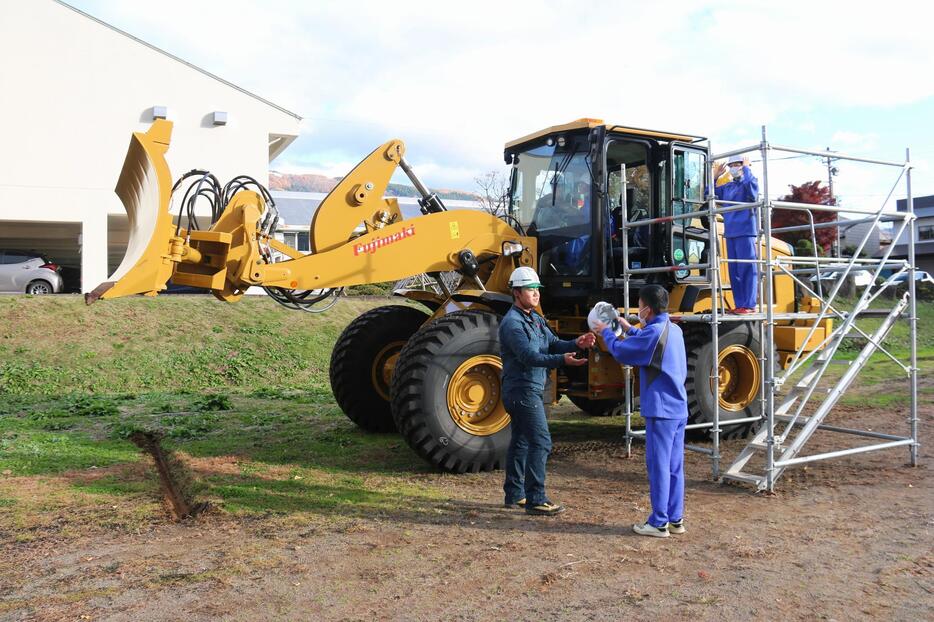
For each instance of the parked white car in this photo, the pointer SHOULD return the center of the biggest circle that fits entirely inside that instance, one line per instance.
(861, 278)
(23, 272)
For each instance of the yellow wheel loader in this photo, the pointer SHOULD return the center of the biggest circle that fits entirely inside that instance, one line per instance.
(433, 372)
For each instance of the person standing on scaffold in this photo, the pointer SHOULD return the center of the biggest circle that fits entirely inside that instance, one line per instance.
(741, 231)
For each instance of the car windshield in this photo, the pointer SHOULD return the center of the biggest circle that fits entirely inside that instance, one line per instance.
(551, 199)
(919, 275)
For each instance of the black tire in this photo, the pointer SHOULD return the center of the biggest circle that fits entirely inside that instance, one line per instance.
(597, 408)
(39, 288)
(359, 358)
(428, 366)
(743, 341)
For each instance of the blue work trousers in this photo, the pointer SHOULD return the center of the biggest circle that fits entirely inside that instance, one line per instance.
(664, 461)
(744, 277)
(528, 450)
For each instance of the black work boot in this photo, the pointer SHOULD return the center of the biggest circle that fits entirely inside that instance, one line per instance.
(544, 509)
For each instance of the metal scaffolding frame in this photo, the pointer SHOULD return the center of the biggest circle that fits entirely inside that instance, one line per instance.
(784, 429)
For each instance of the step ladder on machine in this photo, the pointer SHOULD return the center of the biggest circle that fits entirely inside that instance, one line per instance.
(801, 428)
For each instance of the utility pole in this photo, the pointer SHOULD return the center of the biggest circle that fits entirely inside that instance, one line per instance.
(831, 171)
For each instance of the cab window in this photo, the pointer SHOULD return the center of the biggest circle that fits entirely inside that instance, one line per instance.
(689, 237)
(632, 157)
(552, 199)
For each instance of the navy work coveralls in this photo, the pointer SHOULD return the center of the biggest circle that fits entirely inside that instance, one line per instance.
(740, 229)
(658, 351)
(528, 348)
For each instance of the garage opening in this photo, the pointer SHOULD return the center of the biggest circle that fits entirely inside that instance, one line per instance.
(57, 242)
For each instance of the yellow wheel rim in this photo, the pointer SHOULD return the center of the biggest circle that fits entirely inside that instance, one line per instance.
(739, 377)
(384, 364)
(474, 396)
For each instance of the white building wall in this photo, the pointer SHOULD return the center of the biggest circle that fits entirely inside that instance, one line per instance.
(73, 91)
(924, 222)
(854, 235)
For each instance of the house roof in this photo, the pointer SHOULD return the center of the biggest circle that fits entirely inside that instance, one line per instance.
(296, 209)
(180, 60)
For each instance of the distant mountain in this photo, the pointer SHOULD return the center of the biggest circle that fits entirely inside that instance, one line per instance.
(301, 183)
(320, 183)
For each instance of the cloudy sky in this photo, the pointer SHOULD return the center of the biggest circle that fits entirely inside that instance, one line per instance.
(457, 80)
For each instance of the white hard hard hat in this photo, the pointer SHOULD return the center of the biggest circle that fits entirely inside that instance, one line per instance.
(606, 313)
(524, 277)
(735, 158)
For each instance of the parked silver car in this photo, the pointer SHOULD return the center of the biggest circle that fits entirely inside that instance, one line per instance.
(30, 273)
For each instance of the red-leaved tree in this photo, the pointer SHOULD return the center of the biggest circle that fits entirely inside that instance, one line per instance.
(808, 192)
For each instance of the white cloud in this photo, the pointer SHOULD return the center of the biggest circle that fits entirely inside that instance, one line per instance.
(457, 81)
(854, 143)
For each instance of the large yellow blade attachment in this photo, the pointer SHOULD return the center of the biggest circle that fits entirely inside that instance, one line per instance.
(145, 187)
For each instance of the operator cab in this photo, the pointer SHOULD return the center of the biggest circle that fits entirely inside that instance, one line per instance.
(569, 186)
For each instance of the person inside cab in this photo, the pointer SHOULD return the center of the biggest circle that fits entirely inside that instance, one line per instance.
(566, 214)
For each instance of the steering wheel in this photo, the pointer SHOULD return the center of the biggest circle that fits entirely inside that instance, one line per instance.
(637, 213)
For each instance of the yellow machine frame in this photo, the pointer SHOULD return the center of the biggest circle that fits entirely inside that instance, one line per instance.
(358, 237)
(228, 258)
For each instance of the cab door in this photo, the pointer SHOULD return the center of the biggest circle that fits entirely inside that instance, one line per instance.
(688, 238)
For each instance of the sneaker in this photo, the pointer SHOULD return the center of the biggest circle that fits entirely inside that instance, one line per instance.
(544, 509)
(515, 506)
(647, 529)
(676, 526)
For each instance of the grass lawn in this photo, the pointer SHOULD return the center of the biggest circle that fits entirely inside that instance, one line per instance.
(241, 391)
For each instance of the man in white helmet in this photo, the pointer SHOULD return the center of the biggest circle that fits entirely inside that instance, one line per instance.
(528, 348)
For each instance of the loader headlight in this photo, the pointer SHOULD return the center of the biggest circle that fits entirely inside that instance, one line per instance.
(512, 248)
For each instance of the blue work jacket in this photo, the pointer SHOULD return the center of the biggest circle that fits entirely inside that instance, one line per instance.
(745, 190)
(528, 348)
(661, 374)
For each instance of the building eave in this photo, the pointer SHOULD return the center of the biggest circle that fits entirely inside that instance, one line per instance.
(182, 61)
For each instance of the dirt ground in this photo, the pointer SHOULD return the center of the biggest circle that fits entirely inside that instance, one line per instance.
(841, 540)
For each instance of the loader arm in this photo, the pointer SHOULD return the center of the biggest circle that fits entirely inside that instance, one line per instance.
(430, 243)
(235, 254)
(356, 198)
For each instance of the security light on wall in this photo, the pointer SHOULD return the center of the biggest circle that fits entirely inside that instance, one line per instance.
(219, 118)
(160, 112)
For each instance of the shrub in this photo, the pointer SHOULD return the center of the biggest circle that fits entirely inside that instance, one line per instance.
(87, 406)
(212, 401)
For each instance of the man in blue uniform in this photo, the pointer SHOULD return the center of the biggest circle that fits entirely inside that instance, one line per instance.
(657, 349)
(528, 348)
(740, 229)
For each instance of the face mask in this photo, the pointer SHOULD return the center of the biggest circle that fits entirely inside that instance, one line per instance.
(642, 319)
(736, 171)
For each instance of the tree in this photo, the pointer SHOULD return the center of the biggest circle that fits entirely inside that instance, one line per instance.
(850, 249)
(493, 192)
(804, 248)
(809, 192)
